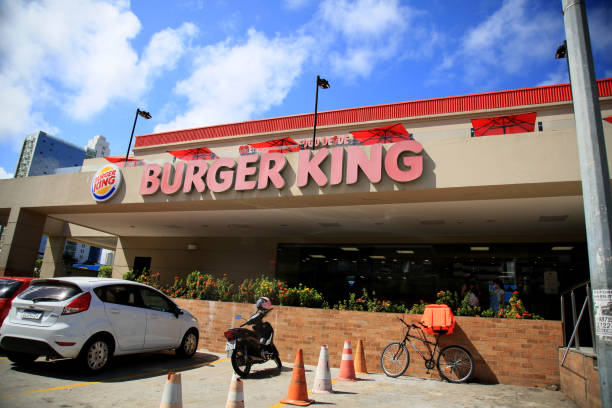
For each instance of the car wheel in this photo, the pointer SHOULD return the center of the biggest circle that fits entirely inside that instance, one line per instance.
(189, 344)
(95, 355)
(20, 358)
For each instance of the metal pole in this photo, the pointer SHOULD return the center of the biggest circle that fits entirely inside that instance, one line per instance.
(314, 133)
(131, 137)
(575, 332)
(595, 183)
(573, 297)
(563, 320)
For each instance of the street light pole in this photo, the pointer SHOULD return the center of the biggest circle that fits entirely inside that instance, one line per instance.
(324, 85)
(595, 183)
(145, 115)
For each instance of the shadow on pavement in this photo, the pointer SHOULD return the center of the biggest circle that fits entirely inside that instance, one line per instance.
(121, 368)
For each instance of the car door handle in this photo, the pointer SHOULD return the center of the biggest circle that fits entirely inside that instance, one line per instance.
(154, 316)
(114, 311)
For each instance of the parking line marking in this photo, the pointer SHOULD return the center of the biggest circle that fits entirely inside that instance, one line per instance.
(62, 387)
(150, 373)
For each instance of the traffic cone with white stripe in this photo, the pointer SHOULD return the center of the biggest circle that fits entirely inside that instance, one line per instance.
(347, 368)
(235, 396)
(322, 381)
(360, 361)
(172, 397)
(298, 393)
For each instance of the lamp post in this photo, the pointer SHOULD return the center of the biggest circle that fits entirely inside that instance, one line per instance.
(145, 115)
(323, 84)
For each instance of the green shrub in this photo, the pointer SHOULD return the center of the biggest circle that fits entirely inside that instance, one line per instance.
(465, 309)
(516, 309)
(105, 271)
(417, 308)
(300, 296)
(369, 303)
(446, 297)
(488, 313)
(129, 275)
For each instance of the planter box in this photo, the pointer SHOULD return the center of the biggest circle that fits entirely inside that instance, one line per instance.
(506, 351)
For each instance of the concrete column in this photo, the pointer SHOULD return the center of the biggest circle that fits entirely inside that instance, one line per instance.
(52, 261)
(20, 242)
(120, 263)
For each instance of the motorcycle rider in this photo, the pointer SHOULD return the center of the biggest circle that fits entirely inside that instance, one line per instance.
(263, 329)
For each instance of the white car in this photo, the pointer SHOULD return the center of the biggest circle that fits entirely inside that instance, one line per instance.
(93, 319)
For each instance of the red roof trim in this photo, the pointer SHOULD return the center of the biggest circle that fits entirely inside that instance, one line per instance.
(451, 104)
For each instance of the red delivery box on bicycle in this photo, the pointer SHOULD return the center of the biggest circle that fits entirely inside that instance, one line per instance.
(438, 319)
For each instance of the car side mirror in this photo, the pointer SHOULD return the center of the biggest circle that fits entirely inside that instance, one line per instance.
(178, 311)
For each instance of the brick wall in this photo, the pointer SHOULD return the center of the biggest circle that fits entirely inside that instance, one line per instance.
(506, 351)
(580, 379)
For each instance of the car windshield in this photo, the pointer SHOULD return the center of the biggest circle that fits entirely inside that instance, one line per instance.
(50, 291)
(8, 288)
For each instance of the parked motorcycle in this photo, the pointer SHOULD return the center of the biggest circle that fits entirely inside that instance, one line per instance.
(247, 347)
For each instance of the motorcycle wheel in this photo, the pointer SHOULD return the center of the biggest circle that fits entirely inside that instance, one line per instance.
(241, 363)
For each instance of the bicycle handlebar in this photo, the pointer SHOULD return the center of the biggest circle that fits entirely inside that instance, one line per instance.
(410, 325)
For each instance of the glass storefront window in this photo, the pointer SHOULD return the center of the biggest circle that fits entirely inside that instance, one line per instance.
(408, 274)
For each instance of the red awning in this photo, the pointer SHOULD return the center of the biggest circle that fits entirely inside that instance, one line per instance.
(119, 161)
(199, 153)
(384, 134)
(500, 125)
(286, 145)
(608, 119)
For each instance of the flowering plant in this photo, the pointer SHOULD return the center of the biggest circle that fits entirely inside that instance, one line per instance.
(465, 309)
(301, 296)
(446, 297)
(516, 309)
(369, 303)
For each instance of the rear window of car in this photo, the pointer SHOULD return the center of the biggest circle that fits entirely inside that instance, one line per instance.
(50, 291)
(8, 288)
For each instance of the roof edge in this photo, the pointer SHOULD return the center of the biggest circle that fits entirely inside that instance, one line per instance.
(423, 107)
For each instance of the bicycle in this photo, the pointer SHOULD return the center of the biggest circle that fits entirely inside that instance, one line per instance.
(455, 364)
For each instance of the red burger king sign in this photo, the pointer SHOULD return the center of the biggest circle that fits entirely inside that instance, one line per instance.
(105, 182)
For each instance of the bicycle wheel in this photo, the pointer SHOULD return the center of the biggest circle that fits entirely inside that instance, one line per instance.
(455, 364)
(395, 359)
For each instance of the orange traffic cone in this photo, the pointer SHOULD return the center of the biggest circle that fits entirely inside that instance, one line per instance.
(235, 396)
(298, 394)
(360, 361)
(347, 369)
(322, 381)
(172, 397)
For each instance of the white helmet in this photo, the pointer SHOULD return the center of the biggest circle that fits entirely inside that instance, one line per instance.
(263, 303)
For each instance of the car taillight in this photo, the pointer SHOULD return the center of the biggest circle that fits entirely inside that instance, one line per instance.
(229, 335)
(78, 305)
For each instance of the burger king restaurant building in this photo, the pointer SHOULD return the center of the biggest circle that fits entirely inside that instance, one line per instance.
(403, 199)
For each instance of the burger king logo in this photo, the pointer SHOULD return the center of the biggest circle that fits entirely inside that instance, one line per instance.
(105, 182)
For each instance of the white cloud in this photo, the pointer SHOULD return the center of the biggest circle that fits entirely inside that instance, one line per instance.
(370, 32)
(233, 82)
(4, 174)
(295, 4)
(510, 40)
(558, 77)
(75, 55)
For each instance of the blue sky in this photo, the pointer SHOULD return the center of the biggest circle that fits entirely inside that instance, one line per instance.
(78, 68)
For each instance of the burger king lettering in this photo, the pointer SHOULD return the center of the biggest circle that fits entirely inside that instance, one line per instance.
(402, 163)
